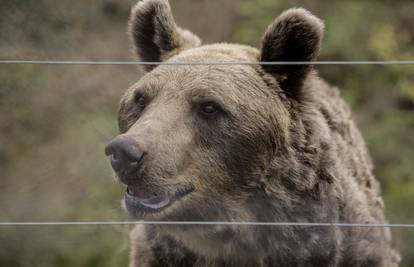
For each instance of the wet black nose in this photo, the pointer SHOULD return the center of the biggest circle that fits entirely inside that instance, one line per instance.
(125, 155)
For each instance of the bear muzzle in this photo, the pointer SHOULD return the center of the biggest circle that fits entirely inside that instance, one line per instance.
(142, 196)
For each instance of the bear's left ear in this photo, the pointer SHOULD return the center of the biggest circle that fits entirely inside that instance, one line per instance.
(154, 33)
(294, 36)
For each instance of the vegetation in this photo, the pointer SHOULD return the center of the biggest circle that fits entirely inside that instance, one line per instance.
(55, 120)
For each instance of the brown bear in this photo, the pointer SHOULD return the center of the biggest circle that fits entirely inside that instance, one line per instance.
(243, 143)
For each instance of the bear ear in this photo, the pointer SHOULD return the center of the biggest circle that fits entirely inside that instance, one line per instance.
(154, 33)
(294, 36)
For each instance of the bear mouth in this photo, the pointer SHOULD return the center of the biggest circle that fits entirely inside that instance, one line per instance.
(138, 202)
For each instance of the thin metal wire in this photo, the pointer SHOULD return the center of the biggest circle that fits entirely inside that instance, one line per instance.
(303, 224)
(118, 62)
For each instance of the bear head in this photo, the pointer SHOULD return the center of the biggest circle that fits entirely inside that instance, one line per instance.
(198, 141)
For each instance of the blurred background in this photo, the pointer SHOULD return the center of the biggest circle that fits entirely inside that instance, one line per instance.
(56, 119)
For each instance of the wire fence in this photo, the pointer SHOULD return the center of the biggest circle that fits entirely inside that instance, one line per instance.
(120, 62)
(201, 223)
(300, 224)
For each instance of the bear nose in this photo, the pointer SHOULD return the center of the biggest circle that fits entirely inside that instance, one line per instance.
(125, 155)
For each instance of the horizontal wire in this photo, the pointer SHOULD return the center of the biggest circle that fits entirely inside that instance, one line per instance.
(97, 62)
(304, 224)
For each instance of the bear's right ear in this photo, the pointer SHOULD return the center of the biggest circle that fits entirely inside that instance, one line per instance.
(294, 36)
(154, 33)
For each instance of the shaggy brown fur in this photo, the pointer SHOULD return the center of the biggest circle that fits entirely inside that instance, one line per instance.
(246, 143)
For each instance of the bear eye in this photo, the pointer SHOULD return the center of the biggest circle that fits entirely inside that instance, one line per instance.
(209, 109)
(141, 101)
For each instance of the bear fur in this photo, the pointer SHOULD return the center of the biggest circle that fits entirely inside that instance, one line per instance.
(249, 143)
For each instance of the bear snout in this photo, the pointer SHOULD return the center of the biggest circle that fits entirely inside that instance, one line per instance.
(126, 157)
